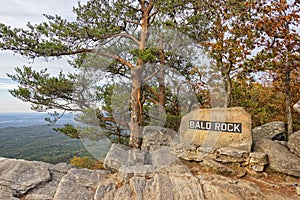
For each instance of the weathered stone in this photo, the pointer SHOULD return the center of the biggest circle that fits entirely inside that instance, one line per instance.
(280, 158)
(297, 106)
(162, 157)
(7, 193)
(106, 191)
(174, 181)
(38, 197)
(176, 186)
(79, 184)
(116, 157)
(21, 176)
(126, 173)
(231, 155)
(48, 190)
(258, 161)
(216, 128)
(155, 137)
(217, 167)
(294, 143)
(222, 188)
(283, 143)
(272, 131)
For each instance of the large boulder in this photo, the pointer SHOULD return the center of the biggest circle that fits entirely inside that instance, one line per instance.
(294, 143)
(272, 131)
(155, 137)
(210, 129)
(280, 158)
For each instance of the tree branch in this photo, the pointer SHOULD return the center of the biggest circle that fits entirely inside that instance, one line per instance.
(151, 76)
(126, 35)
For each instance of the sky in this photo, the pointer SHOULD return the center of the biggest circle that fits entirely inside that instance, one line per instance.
(17, 13)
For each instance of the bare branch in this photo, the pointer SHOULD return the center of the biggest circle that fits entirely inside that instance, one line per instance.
(151, 76)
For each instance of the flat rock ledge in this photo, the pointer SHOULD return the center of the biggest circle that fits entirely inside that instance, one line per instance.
(31, 180)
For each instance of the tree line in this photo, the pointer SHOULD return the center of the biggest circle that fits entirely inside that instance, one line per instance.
(249, 49)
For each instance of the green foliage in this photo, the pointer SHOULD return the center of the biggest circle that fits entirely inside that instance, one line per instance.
(68, 130)
(114, 36)
(43, 90)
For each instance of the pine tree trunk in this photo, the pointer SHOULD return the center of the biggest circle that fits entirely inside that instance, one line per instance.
(289, 116)
(136, 109)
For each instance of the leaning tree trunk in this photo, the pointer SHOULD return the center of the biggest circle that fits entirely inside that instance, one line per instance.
(136, 119)
(289, 116)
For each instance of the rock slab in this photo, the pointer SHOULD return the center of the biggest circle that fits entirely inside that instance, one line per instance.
(294, 143)
(280, 158)
(272, 131)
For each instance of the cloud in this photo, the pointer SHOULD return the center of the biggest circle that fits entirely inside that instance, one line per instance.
(7, 84)
(19, 12)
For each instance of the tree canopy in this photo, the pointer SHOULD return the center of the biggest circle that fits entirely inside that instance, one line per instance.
(151, 46)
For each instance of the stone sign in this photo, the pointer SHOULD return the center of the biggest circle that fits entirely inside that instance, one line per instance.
(216, 128)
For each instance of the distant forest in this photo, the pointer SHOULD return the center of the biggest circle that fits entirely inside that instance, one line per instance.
(39, 143)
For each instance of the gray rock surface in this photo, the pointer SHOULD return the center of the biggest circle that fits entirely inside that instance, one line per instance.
(155, 137)
(222, 188)
(63, 182)
(79, 184)
(231, 155)
(116, 157)
(258, 161)
(280, 158)
(22, 176)
(217, 167)
(294, 143)
(272, 131)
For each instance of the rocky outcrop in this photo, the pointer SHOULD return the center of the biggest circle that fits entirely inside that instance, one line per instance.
(272, 131)
(29, 180)
(294, 143)
(280, 158)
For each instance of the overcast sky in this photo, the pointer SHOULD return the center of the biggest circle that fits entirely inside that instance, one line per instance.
(17, 13)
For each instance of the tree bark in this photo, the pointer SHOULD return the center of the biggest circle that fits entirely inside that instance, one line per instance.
(289, 116)
(136, 118)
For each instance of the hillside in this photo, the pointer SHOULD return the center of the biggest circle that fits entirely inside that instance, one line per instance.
(40, 143)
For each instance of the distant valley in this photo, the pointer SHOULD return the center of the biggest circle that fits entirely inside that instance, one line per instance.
(28, 136)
